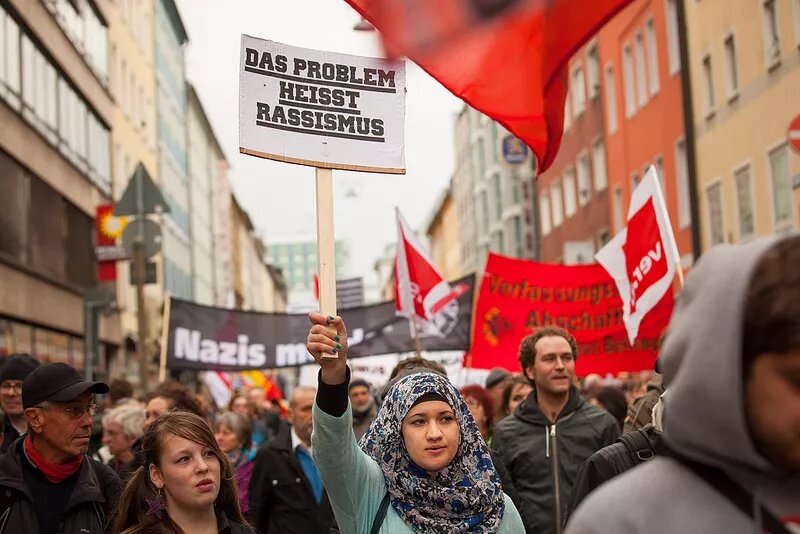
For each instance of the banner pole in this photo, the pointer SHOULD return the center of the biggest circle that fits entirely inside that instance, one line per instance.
(679, 270)
(417, 344)
(162, 367)
(326, 252)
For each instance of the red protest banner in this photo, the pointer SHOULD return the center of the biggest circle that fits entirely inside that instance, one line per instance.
(517, 296)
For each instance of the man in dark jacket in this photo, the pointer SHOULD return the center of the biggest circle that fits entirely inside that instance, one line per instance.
(286, 492)
(364, 407)
(47, 483)
(551, 434)
(13, 374)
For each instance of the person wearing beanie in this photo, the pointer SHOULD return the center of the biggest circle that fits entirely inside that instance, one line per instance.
(364, 407)
(12, 375)
(495, 386)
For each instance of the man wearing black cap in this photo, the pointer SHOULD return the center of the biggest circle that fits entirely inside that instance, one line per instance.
(47, 483)
(364, 408)
(13, 374)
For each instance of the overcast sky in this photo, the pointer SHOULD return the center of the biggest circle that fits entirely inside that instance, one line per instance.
(280, 197)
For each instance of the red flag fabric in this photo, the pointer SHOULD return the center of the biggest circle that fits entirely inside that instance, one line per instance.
(505, 58)
(419, 286)
(518, 296)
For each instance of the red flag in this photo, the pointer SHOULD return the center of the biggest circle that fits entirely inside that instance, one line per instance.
(643, 258)
(505, 58)
(420, 289)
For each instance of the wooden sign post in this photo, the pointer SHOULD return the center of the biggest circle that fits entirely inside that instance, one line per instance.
(324, 110)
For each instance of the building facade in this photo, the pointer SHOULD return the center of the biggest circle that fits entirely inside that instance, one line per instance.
(641, 84)
(502, 193)
(56, 114)
(745, 77)
(573, 192)
(205, 159)
(444, 237)
(296, 257)
(171, 107)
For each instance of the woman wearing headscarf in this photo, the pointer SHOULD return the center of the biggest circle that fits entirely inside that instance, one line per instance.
(421, 467)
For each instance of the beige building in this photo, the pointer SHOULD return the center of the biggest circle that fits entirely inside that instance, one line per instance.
(56, 114)
(745, 71)
(443, 236)
(132, 82)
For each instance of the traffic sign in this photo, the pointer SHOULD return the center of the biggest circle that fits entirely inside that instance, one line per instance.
(512, 150)
(151, 237)
(141, 197)
(794, 134)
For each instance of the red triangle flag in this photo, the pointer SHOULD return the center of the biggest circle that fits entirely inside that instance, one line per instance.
(505, 58)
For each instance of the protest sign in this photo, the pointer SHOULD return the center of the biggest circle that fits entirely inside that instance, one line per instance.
(323, 109)
(517, 296)
(218, 339)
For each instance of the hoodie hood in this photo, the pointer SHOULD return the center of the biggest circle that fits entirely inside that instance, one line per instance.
(528, 410)
(704, 417)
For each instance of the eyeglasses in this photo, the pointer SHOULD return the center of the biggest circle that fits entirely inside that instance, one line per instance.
(11, 388)
(76, 412)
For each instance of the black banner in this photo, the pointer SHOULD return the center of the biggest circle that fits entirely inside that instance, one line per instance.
(217, 339)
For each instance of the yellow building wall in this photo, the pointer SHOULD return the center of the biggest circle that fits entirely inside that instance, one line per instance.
(744, 126)
(132, 83)
(443, 233)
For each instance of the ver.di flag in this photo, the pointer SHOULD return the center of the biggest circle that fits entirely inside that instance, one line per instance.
(643, 258)
(505, 58)
(421, 292)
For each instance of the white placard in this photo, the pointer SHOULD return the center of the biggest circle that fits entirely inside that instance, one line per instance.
(321, 109)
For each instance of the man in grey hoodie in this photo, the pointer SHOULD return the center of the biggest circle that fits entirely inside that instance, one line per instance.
(732, 420)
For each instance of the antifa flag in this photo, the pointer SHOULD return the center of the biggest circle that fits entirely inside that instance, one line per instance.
(505, 58)
(217, 339)
(517, 297)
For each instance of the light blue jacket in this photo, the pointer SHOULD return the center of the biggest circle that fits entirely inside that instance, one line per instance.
(355, 483)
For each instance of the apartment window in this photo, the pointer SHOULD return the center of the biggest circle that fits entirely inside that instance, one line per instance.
(124, 91)
(673, 49)
(593, 71)
(796, 15)
(716, 222)
(627, 75)
(744, 202)
(611, 100)
(733, 72)
(518, 244)
(544, 212)
(641, 76)
(578, 90)
(635, 179)
(599, 165)
(10, 67)
(682, 175)
(772, 38)
(617, 209)
(485, 210)
(500, 243)
(555, 197)
(567, 111)
(781, 186)
(652, 57)
(584, 181)
(498, 197)
(570, 207)
(708, 88)
(515, 189)
(662, 181)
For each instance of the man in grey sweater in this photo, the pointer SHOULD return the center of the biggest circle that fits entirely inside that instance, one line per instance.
(732, 420)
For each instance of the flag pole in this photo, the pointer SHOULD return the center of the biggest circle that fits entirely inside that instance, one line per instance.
(679, 270)
(417, 344)
(326, 260)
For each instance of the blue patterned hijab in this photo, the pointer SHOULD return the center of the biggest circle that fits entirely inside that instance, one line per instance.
(465, 496)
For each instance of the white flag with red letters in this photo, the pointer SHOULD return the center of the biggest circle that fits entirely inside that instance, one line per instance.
(420, 289)
(643, 258)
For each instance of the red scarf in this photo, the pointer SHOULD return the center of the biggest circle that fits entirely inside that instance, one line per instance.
(55, 473)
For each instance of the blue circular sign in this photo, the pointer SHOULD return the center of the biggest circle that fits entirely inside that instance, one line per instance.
(514, 151)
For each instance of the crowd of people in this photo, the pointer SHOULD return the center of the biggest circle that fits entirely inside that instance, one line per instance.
(709, 441)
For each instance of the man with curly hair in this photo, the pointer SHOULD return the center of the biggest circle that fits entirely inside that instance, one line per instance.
(551, 433)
